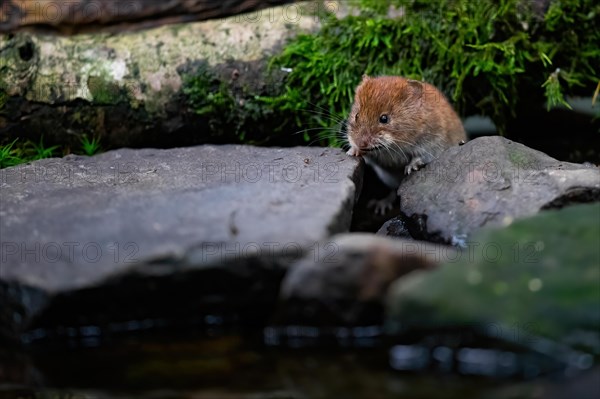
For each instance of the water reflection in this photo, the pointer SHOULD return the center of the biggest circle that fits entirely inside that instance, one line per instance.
(278, 362)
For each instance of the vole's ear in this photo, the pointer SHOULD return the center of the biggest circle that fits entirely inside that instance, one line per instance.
(415, 84)
(415, 87)
(365, 77)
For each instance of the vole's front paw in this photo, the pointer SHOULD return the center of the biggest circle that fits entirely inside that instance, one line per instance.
(352, 152)
(380, 207)
(415, 164)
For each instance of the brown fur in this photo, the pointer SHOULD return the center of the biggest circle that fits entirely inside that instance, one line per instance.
(421, 122)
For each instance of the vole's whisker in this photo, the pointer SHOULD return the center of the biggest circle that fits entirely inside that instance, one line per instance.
(326, 113)
(330, 118)
(320, 107)
(399, 148)
(390, 151)
(433, 145)
(313, 129)
(327, 134)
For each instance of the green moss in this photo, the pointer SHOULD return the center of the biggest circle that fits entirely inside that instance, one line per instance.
(229, 109)
(487, 57)
(540, 272)
(207, 95)
(517, 157)
(3, 100)
(103, 91)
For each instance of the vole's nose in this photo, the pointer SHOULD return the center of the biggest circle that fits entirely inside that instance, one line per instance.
(363, 144)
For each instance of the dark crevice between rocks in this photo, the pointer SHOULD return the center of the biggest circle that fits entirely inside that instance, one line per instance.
(20, 303)
(344, 220)
(416, 225)
(395, 227)
(26, 119)
(574, 196)
(364, 219)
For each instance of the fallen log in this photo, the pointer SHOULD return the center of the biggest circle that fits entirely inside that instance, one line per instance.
(130, 89)
(78, 16)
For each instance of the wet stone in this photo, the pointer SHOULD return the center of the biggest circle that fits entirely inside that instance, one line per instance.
(530, 290)
(489, 181)
(348, 285)
(167, 228)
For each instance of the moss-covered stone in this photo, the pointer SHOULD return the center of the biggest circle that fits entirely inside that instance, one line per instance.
(103, 91)
(139, 77)
(236, 108)
(18, 63)
(538, 278)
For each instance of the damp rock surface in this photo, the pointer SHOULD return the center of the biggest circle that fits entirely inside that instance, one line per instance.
(346, 283)
(533, 284)
(489, 181)
(78, 223)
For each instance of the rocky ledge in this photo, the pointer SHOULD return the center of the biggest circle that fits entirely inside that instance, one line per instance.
(155, 230)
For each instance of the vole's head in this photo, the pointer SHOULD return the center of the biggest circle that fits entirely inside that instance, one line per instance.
(385, 114)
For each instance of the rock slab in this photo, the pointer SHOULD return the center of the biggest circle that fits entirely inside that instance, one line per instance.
(76, 223)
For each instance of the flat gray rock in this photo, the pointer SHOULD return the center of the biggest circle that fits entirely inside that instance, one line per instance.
(489, 181)
(129, 224)
(66, 223)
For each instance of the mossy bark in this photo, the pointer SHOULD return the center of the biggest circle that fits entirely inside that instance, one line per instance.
(128, 88)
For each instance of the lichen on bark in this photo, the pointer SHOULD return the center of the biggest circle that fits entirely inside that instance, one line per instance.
(136, 75)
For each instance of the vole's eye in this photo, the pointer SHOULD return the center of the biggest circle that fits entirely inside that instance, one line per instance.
(384, 119)
(356, 117)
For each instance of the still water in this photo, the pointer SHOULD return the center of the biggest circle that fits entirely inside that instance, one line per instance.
(266, 366)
